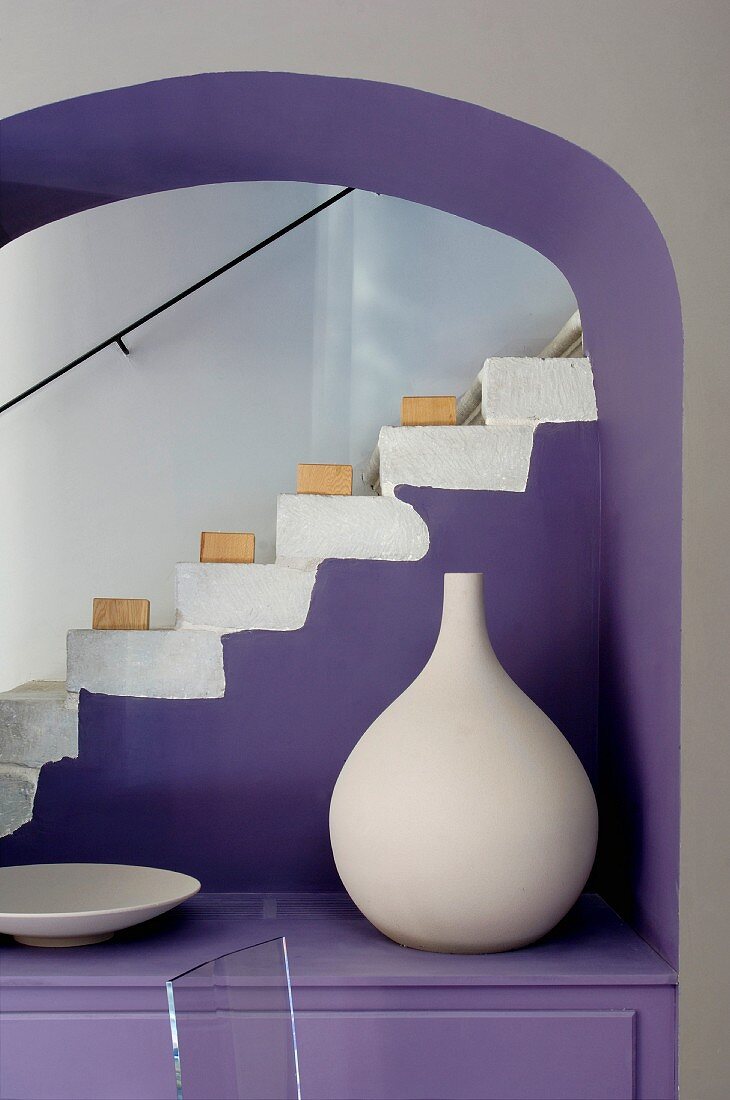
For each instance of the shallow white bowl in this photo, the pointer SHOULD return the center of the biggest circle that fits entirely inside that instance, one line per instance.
(70, 904)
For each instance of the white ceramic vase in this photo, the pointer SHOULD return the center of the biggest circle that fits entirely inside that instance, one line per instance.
(463, 821)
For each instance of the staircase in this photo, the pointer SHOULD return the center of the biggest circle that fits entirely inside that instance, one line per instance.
(490, 451)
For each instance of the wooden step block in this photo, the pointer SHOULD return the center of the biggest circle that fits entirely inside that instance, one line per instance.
(324, 479)
(112, 614)
(229, 547)
(427, 410)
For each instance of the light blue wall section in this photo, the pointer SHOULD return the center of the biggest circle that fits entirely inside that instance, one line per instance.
(432, 296)
(108, 476)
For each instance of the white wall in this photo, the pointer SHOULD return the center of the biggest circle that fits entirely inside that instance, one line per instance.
(643, 85)
(300, 354)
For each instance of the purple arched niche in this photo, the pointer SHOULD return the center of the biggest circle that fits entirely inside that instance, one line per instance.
(532, 185)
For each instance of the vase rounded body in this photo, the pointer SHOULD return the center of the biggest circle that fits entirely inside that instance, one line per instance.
(463, 821)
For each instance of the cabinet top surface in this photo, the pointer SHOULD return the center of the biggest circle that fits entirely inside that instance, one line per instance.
(331, 944)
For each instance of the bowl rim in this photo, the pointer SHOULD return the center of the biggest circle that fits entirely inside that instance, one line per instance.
(141, 906)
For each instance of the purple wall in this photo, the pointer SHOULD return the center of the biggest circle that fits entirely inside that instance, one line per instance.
(236, 791)
(522, 181)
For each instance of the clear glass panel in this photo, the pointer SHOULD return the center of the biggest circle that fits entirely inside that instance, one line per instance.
(232, 1022)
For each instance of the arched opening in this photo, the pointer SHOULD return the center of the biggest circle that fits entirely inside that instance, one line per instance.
(526, 183)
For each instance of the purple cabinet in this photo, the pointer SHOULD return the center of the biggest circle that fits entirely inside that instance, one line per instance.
(587, 1014)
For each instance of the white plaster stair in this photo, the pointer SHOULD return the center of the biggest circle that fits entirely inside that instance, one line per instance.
(37, 725)
(310, 528)
(474, 457)
(147, 664)
(242, 597)
(510, 397)
(17, 794)
(556, 391)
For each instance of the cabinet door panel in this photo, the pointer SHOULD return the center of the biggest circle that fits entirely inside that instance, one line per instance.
(86, 1057)
(467, 1056)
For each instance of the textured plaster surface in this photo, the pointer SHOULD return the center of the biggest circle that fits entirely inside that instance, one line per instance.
(476, 457)
(151, 664)
(545, 390)
(17, 792)
(310, 528)
(242, 597)
(37, 723)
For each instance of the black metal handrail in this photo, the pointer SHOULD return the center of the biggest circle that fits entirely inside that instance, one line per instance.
(118, 337)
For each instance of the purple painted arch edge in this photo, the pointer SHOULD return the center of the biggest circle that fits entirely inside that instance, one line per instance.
(534, 186)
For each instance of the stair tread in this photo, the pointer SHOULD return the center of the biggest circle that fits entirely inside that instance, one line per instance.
(250, 570)
(36, 691)
(128, 633)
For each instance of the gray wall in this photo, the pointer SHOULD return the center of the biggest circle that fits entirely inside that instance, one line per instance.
(643, 85)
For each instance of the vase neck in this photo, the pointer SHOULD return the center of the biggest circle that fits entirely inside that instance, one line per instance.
(463, 626)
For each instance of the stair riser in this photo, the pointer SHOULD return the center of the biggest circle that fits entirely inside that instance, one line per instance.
(495, 457)
(242, 597)
(156, 664)
(33, 735)
(311, 528)
(554, 391)
(17, 792)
